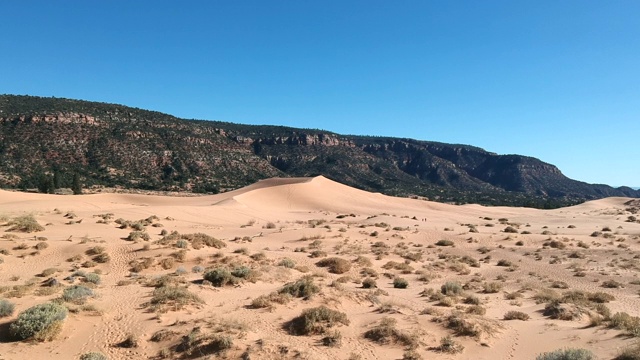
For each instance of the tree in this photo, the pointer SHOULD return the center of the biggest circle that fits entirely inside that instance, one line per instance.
(45, 184)
(76, 186)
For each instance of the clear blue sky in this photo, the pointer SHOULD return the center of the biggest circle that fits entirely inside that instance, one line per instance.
(557, 80)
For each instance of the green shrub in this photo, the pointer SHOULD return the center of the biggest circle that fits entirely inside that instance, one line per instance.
(182, 244)
(567, 354)
(451, 288)
(138, 235)
(77, 294)
(220, 277)
(301, 288)
(316, 321)
(41, 322)
(400, 283)
(6, 308)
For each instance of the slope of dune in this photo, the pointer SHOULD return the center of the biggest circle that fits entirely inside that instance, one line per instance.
(278, 231)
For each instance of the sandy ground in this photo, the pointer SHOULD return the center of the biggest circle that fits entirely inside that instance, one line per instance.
(550, 251)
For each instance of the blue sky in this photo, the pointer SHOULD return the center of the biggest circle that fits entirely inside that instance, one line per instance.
(557, 80)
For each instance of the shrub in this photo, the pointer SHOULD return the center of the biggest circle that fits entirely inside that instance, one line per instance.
(492, 287)
(96, 250)
(92, 278)
(444, 243)
(6, 308)
(93, 356)
(560, 311)
(138, 235)
(131, 341)
(301, 288)
(102, 258)
(451, 288)
(516, 315)
(400, 283)
(567, 354)
(25, 223)
(265, 301)
(182, 244)
(198, 239)
(387, 333)
(449, 345)
(611, 284)
(174, 296)
(77, 294)
(316, 321)
(333, 339)
(335, 265)
(504, 262)
(220, 277)
(369, 283)
(629, 353)
(288, 263)
(510, 229)
(41, 322)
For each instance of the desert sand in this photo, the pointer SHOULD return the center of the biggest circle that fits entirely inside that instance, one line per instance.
(494, 260)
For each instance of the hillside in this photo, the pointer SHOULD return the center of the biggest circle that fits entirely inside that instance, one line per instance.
(45, 142)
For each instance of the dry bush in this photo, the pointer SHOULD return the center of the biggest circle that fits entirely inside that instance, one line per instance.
(567, 354)
(492, 287)
(332, 339)
(444, 243)
(631, 352)
(172, 297)
(369, 283)
(316, 321)
(385, 332)
(516, 315)
(449, 345)
(222, 276)
(196, 343)
(25, 223)
(451, 288)
(335, 265)
(469, 325)
(562, 311)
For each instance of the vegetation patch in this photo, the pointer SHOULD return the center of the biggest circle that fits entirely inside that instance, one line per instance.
(316, 321)
(386, 332)
(335, 265)
(41, 322)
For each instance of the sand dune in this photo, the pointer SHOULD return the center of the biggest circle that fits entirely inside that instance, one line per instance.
(276, 231)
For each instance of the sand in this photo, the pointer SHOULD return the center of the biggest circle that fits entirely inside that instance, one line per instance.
(288, 219)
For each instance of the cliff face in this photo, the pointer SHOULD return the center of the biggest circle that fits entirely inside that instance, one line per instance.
(116, 145)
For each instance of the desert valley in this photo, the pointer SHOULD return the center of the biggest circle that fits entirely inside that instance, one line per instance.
(309, 268)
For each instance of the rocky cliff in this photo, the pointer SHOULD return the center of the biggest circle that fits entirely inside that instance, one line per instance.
(114, 145)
